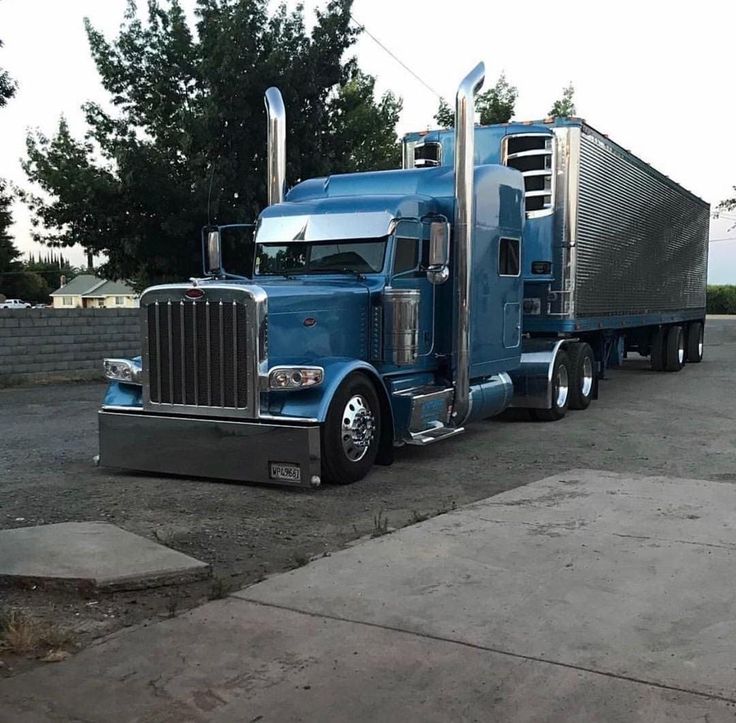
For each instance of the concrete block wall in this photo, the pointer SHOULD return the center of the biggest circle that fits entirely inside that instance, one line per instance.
(36, 343)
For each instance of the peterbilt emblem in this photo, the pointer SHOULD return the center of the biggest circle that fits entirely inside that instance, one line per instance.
(310, 321)
(194, 293)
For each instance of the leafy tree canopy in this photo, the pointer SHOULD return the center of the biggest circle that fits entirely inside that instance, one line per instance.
(728, 204)
(564, 107)
(495, 105)
(7, 85)
(189, 124)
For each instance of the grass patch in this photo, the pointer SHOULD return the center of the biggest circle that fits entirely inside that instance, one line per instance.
(23, 634)
(380, 524)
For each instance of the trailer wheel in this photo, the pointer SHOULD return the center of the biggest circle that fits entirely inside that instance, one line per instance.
(674, 355)
(582, 373)
(657, 350)
(560, 390)
(352, 431)
(695, 342)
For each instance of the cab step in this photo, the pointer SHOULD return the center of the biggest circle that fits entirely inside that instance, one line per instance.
(435, 433)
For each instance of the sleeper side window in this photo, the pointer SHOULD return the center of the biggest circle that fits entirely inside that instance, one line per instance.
(509, 259)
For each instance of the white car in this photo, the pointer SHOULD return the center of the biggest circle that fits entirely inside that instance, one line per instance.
(14, 304)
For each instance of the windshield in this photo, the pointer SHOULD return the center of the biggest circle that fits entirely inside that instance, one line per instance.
(320, 257)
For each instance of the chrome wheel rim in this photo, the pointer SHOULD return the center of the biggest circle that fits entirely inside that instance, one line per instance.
(586, 381)
(357, 428)
(561, 386)
(700, 344)
(681, 351)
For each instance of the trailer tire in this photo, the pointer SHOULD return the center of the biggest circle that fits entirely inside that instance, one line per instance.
(560, 391)
(674, 355)
(352, 431)
(582, 375)
(695, 342)
(657, 349)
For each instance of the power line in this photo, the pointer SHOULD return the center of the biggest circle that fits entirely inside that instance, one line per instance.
(725, 238)
(398, 60)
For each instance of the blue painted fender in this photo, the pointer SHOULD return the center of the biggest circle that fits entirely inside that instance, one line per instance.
(314, 403)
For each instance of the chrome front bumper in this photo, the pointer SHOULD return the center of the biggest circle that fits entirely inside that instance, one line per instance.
(218, 449)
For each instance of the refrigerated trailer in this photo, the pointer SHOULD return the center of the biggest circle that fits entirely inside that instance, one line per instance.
(615, 252)
(505, 266)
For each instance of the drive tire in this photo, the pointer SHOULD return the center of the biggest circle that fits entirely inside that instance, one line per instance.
(657, 350)
(674, 354)
(560, 391)
(695, 342)
(353, 413)
(582, 375)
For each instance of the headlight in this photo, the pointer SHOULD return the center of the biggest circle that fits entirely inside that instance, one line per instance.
(123, 370)
(288, 378)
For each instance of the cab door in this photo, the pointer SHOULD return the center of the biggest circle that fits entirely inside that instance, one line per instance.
(410, 238)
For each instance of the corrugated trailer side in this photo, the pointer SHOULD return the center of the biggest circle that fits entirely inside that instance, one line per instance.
(640, 243)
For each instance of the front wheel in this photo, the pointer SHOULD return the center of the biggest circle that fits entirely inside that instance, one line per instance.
(351, 432)
(560, 391)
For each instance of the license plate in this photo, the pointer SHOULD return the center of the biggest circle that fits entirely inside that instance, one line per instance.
(286, 472)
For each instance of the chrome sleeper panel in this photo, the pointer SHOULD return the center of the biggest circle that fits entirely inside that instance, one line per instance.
(215, 448)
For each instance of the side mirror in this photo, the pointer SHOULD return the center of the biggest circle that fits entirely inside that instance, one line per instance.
(439, 252)
(213, 254)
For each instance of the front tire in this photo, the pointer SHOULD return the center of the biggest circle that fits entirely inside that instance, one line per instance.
(560, 391)
(352, 431)
(582, 370)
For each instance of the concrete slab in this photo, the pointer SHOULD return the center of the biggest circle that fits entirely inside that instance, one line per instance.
(233, 661)
(94, 555)
(624, 575)
(584, 597)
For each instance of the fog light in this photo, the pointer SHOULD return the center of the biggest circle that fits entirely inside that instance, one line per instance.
(290, 378)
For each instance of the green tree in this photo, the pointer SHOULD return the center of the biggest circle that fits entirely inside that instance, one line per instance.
(445, 116)
(728, 204)
(186, 142)
(9, 253)
(564, 107)
(7, 85)
(495, 105)
(363, 130)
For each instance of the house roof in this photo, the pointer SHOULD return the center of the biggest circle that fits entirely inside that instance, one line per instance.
(111, 288)
(92, 286)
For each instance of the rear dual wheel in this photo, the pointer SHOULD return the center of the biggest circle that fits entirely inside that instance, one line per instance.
(694, 345)
(582, 368)
(668, 349)
(561, 376)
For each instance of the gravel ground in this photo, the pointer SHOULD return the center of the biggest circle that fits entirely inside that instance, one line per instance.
(678, 424)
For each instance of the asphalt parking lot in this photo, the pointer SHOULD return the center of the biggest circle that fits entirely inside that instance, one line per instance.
(682, 425)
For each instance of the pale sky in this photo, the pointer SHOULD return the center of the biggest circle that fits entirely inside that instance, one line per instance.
(655, 76)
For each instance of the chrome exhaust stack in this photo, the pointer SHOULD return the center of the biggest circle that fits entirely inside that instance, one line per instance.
(276, 114)
(464, 181)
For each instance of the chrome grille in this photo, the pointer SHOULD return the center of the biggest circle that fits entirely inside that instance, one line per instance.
(197, 354)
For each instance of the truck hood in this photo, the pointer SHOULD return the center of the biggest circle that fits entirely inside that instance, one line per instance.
(311, 320)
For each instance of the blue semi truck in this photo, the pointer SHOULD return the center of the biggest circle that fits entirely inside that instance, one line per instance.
(503, 266)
